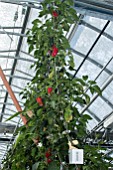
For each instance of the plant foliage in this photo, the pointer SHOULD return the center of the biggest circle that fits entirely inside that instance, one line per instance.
(52, 97)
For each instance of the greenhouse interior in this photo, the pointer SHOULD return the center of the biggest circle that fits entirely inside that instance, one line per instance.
(56, 84)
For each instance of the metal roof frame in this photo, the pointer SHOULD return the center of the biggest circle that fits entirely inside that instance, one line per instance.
(86, 57)
(17, 54)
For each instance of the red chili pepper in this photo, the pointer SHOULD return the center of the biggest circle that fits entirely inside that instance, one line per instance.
(49, 90)
(55, 14)
(47, 154)
(39, 101)
(54, 51)
(49, 160)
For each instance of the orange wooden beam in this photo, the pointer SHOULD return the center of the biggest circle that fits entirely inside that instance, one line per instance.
(13, 97)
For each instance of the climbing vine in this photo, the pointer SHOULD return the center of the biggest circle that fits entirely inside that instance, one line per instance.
(54, 122)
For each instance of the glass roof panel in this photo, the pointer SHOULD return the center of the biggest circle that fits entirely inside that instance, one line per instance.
(83, 39)
(96, 65)
(102, 78)
(110, 66)
(89, 69)
(108, 93)
(96, 22)
(92, 123)
(100, 108)
(103, 51)
(109, 29)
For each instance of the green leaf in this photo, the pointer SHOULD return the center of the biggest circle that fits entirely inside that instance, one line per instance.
(54, 166)
(33, 152)
(66, 27)
(81, 81)
(39, 112)
(80, 100)
(68, 114)
(31, 48)
(71, 62)
(69, 2)
(42, 13)
(85, 77)
(15, 115)
(91, 82)
(35, 166)
(87, 98)
(97, 89)
(86, 117)
(92, 90)
(19, 138)
(36, 21)
(53, 104)
(71, 68)
(27, 33)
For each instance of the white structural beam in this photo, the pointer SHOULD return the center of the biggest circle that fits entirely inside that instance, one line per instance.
(22, 1)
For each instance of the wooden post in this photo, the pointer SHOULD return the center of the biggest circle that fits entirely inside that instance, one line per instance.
(16, 103)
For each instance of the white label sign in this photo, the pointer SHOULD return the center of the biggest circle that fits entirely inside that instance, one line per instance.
(76, 156)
